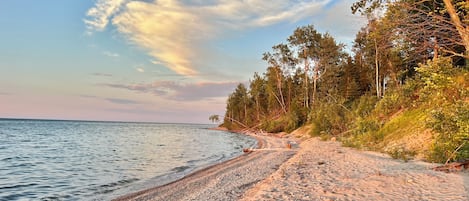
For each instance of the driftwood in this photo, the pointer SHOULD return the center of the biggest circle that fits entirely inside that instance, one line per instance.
(453, 167)
(247, 150)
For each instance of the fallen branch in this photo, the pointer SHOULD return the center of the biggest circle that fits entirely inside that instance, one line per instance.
(453, 167)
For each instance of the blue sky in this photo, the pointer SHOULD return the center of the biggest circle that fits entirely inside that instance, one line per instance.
(157, 61)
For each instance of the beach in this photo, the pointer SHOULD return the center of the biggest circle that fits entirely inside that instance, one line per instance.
(228, 180)
(312, 170)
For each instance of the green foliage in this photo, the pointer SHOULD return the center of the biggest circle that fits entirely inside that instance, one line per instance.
(367, 125)
(329, 118)
(452, 126)
(391, 103)
(376, 99)
(364, 105)
(444, 91)
(438, 83)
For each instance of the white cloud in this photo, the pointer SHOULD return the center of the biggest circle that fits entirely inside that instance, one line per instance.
(177, 34)
(140, 69)
(110, 54)
(101, 13)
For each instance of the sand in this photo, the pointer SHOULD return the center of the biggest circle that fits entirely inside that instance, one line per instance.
(326, 171)
(228, 180)
(314, 170)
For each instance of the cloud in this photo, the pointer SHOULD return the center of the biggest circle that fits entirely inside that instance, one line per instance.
(110, 54)
(100, 14)
(113, 100)
(89, 96)
(176, 33)
(121, 101)
(140, 69)
(5, 94)
(181, 91)
(102, 74)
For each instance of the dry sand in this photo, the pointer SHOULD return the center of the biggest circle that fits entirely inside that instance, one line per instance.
(316, 170)
(326, 171)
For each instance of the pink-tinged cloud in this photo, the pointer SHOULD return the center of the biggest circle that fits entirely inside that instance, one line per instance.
(181, 91)
(121, 101)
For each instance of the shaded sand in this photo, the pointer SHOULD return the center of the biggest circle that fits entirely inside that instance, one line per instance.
(326, 171)
(228, 180)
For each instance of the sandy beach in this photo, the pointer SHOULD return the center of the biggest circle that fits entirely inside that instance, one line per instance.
(228, 180)
(313, 170)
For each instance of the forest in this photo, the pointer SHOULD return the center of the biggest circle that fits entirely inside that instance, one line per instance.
(403, 89)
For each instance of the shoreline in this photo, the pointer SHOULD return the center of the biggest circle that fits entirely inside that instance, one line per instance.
(228, 179)
(314, 170)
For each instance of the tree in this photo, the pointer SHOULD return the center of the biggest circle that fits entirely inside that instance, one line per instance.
(305, 40)
(319, 52)
(434, 26)
(350, 80)
(281, 63)
(214, 118)
(259, 96)
(237, 106)
(331, 60)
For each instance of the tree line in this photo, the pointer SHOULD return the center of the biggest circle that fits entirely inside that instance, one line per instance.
(407, 53)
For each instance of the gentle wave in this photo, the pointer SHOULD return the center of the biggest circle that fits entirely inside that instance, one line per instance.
(74, 160)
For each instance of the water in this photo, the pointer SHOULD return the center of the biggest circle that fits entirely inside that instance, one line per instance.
(76, 160)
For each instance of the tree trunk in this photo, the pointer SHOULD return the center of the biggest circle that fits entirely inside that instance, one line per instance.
(463, 31)
(279, 87)
(257, 108)
(315, 84)
(377, 70)
(245, 112)
(306, 80)
(383, 90)
(289, 96)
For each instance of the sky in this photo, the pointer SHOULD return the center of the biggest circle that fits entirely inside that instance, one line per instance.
(163, 61)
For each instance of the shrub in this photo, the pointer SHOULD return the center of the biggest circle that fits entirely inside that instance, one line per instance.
(367, 125)
(392, 102)
(452, 126)
(329, 119)
(438, 84)
(364, 105)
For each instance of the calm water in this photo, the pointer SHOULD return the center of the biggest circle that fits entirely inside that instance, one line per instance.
(74, 160)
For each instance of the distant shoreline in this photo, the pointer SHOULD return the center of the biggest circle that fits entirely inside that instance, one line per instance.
(97, 121)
